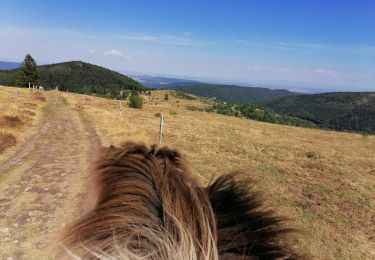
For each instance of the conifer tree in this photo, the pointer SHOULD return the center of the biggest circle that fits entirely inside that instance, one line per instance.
(29, 72)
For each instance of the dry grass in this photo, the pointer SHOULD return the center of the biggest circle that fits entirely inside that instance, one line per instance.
(38, 96)
(6, 140)
(323, 180)
(20, 111)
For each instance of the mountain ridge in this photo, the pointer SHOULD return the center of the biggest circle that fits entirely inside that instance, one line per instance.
(9, 65)
(231, 93)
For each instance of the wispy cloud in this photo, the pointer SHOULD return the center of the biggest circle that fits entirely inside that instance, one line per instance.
(185, 40)
(324, 72)
(257, 68)
(115, 53)
(307, 47)
(264, 45)
(321, 72)
(147, 38)
(188, 34)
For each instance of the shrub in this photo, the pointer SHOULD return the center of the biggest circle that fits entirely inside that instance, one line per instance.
(311, 155)
(172, 112)
(166, 97)
(135, 101)
(194, 108)
(157, 114)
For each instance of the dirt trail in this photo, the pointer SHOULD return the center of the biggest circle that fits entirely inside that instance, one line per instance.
(42, 186)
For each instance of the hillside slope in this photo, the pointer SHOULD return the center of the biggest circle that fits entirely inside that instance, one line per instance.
(341, 111)
(314, 177)
(79, 77)
(321, 180)
(231, 93)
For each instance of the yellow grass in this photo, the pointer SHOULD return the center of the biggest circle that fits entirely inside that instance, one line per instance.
(22, 104)
(329, 196)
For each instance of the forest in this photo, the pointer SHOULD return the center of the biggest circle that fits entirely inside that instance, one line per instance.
(77, 77)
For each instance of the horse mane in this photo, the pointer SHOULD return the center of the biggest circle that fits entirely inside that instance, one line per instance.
(146, 204)
(244, 229)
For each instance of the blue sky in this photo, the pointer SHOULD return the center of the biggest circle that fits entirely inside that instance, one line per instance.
(316, 44)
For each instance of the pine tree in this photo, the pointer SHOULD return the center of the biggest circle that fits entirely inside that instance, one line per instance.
(29, 72)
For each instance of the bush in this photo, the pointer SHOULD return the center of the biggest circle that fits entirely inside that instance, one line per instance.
(194, 108)
(311, 155)
(135, 101)
(166, 97)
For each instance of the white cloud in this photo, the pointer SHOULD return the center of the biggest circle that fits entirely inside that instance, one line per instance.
(115, 53)
(91, 51)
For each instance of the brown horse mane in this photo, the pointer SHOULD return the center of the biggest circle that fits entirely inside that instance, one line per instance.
(146, 204)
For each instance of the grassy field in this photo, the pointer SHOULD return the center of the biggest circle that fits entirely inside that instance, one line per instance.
(323, 180)
(20, 112)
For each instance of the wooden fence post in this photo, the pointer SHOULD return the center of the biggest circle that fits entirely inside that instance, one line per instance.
(15, 100)
(161, 134)
(120, 108)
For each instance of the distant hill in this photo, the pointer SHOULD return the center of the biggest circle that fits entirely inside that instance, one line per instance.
(231, 93)
(351, 111)
(159, 81)
(7, 65)
(79, 77)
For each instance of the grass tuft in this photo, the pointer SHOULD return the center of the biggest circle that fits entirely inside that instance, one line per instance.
(8, 121)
